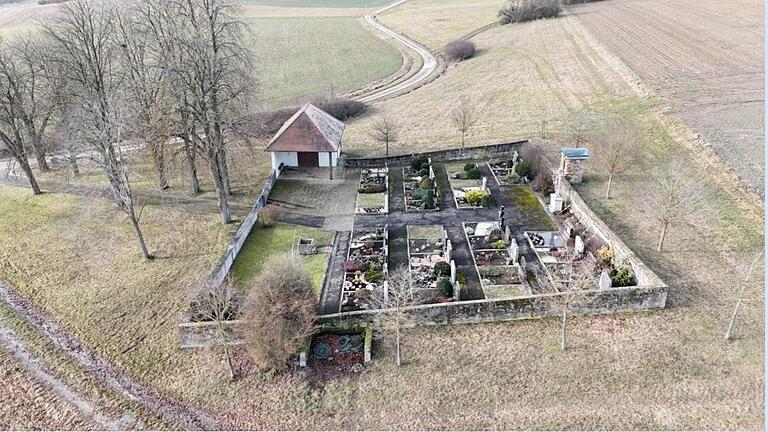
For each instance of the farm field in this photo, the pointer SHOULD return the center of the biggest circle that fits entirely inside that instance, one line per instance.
(299, 58)
(20, 16)
(557, 71)
(303, 49)
(705, 58)
(434, 23)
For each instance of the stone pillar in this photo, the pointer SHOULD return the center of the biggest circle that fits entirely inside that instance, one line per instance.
(386, 294)
(555, 203)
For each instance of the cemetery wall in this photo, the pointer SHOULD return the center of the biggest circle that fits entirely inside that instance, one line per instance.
(478, 152)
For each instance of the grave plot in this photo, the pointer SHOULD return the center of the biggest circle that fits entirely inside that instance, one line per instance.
(419, 186)
(372, 191)
(365, 269)
(495, 255)
(469, 186)
(338, 353)
(433, 273)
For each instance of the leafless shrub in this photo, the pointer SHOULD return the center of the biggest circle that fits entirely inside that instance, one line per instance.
(392, 299)
(515, 11)
(218, 304)
(464, 116)
(385, 132)
(280, 312)
(459, 50)
(676, 198)
(532, 153)
(268, 215)
(341, 108)
(615, 145)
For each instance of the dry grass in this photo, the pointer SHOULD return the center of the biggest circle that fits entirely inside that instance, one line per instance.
(27, 403)
(523, 74)
(80, 262)
(705, 58)
(434, 23)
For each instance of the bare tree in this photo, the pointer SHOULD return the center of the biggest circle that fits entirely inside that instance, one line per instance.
(219, 304)
(147, 82)
(579, 128)
(11, 117)
(215, 75)
(393, 299)
(385, 132)
(571, 277)
(740, 296)
(615, 147)
(464, 116)
(280, 312)
(675, 199)
(84, 52)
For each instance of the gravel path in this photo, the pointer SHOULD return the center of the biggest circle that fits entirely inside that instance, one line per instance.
(429, 62)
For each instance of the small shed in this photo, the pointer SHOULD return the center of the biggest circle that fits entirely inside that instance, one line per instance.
(310, 138)
(572, 163)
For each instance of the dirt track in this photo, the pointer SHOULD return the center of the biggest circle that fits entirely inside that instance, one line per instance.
(705, 59)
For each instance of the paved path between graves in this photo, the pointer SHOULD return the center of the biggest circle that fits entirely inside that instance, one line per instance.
(170, 410)
(429, 62)
(330, 299)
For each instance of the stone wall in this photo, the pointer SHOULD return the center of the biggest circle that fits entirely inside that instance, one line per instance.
(622, 252)
(221, 270)
(479, 152)
(607, 301)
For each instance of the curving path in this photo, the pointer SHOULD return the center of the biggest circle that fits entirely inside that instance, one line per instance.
(429, 62)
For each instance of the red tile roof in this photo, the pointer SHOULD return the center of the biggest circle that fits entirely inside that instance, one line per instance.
(309, 130)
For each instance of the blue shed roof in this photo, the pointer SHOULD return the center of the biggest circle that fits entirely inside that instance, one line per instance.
(575, 153)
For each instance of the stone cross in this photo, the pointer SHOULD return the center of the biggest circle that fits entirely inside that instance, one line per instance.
(515, 157)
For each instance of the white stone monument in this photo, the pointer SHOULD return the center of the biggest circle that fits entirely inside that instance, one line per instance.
(605, 280)
(579, 245)
(514, 251)
(555, 203)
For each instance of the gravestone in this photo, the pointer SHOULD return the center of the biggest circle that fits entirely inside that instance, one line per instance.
(605, 280)
(579, 245)
(485, 183)
(453, 271)
(555, 203)
(302, 359)
(514, 251)
(515, 158)
(449, 251)
(507, 234)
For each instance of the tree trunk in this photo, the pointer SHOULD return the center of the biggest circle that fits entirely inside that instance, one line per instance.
(738, 302)
(564, 330)
(664, 227)
(221, 192)
(230, 367)
(397, 348)
(222, 161)
(158, 159)
(42, 162)
(139, 235)
(608, 189)
(73, 165)
(30, 175)
(191, 166)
